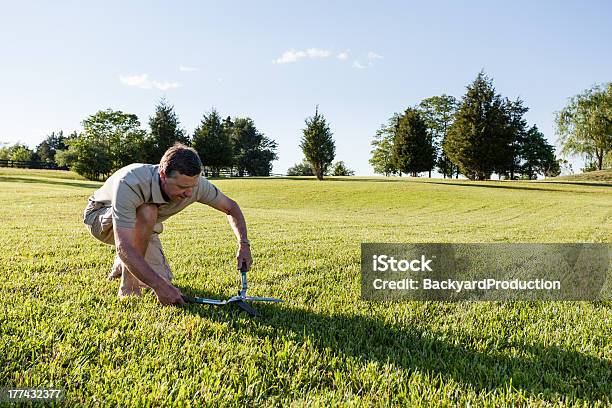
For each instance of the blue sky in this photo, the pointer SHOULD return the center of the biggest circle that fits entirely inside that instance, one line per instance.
(274, 61)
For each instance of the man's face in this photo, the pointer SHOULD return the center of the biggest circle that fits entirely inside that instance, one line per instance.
(179, 186)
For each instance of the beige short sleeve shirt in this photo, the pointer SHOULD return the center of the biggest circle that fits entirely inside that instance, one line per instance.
(137, 184)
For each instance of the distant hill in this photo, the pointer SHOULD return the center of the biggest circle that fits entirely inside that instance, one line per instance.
(598, 175)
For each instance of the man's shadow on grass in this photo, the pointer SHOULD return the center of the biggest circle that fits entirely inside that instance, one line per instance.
(545, 371)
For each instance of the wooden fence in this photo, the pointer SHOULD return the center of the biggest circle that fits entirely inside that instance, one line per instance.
(207, 171)
(30, 165)
(232, 172)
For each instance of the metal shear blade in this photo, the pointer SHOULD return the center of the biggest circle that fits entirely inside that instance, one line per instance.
(238, 300)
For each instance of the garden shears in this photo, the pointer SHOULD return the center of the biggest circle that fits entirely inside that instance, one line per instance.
(238, 300)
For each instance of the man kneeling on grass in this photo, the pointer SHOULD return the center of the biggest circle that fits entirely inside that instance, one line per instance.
(128, 211)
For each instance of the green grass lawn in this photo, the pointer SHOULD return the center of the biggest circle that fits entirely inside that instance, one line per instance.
(62, 325)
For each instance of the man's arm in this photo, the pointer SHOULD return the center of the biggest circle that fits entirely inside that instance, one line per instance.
(238, 224)
(136, 264)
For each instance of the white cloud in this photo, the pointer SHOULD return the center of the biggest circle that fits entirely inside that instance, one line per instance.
(373, 56)
(142, 81)
(313, 53)
(293, 56)
(164, 86)
(357, 64)
(184, 68)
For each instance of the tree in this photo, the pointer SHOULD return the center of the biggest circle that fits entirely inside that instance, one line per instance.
(66, 157)
(21, 153)
(382, 152)
(53, 143)
(165, 131)
(511, 138)
(438, 113)
(382, 156)
(476, 140)
(607, 163)
(212, 142)
(110, 140)
(317, 144)
(340, 169)
(86, 156)
(118, 133)
(538, 156)
(16, 152)
(549, 164)
(253, 152)
(301, 169)
(413, 150)
(584, 126)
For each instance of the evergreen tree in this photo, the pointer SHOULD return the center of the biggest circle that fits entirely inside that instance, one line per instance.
(228, 125)
(165, 131)
(47, 148)
(413, 149)
(511, 138)
(340, 169)
(212, 142)
(317, 144)
(253, 152)
(477, 139)
(538, 156)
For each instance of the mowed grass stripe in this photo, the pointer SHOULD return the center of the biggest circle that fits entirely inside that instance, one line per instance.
(61, 323)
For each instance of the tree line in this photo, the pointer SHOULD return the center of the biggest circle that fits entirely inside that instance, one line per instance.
(113, 139)
(43, 154)
(481, 134)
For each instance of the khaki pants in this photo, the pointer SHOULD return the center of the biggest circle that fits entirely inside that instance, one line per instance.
(99, 222)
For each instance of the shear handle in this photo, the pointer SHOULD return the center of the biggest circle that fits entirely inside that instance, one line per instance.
(243, 271)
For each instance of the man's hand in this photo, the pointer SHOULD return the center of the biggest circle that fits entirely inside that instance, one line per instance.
(244, 256)
(169, 295)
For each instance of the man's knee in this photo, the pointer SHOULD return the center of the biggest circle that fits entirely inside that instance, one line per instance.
(147, 214)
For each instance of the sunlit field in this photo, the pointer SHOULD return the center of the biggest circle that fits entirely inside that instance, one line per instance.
(62, 325)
